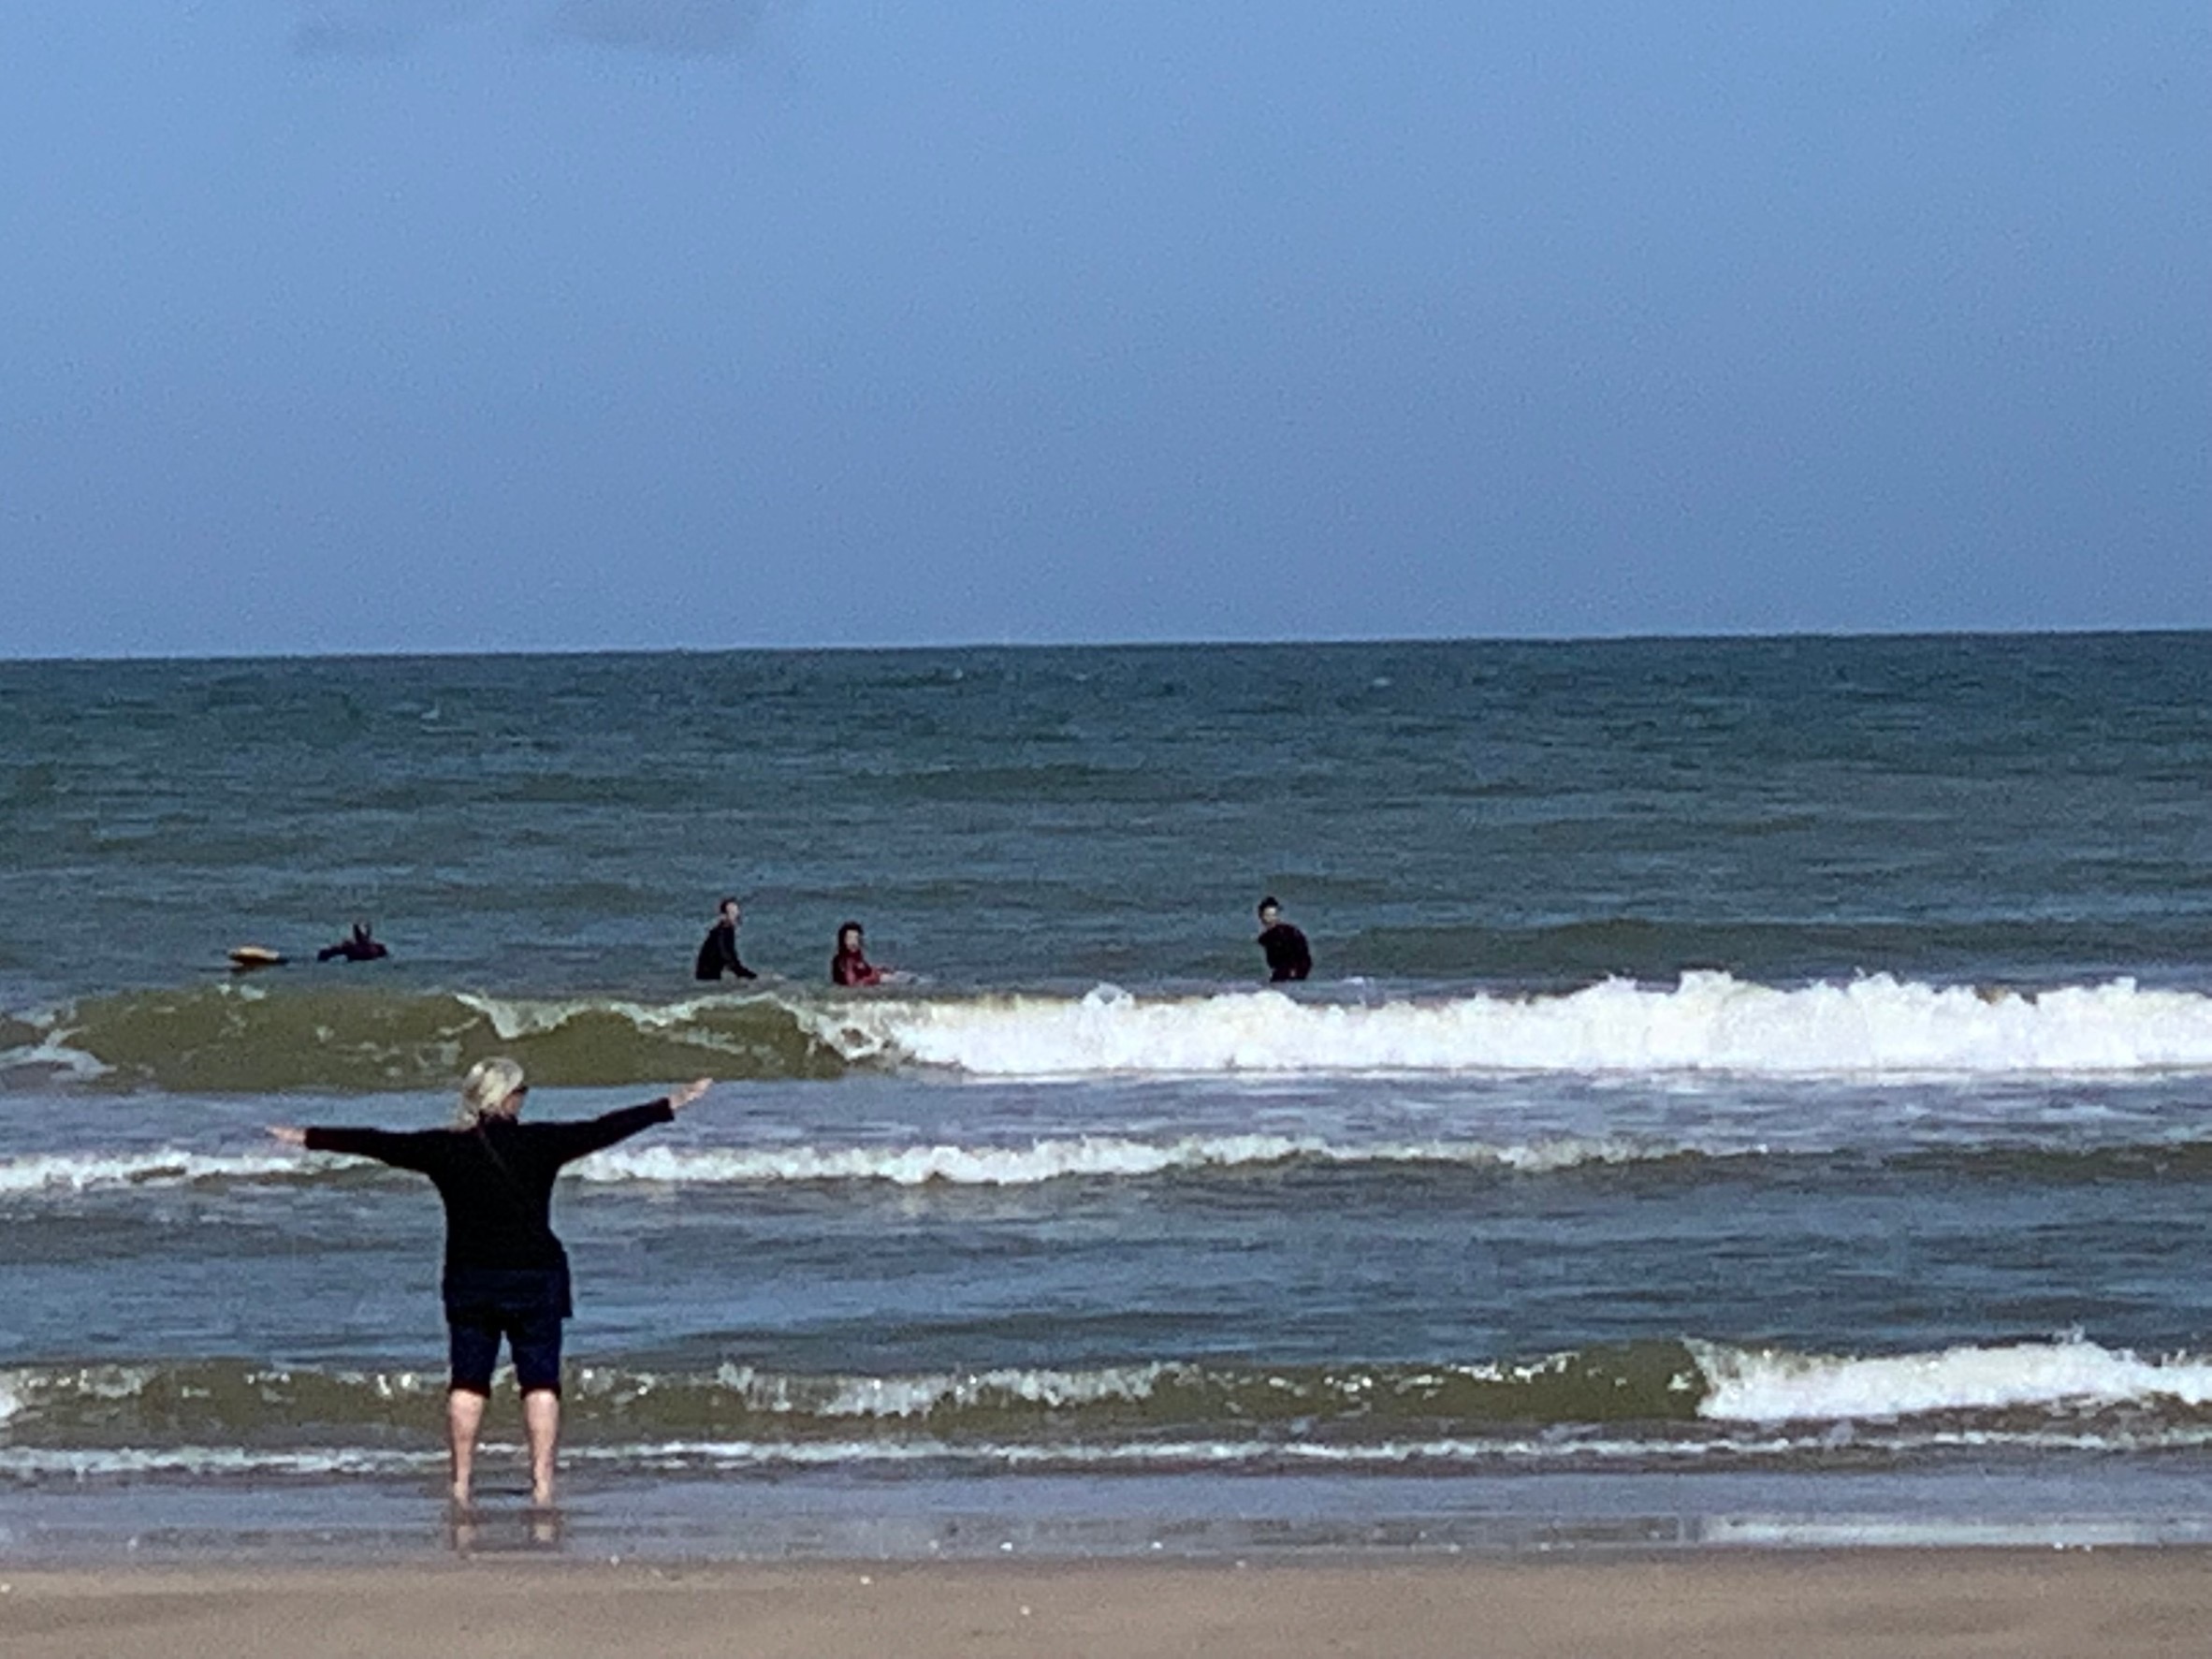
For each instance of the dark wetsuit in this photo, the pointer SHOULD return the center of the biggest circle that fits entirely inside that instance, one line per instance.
(1288, 955)
(718, 954)
(359, 947)
(504, 1269)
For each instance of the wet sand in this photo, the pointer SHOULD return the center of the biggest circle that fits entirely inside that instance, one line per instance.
(1924, 1604)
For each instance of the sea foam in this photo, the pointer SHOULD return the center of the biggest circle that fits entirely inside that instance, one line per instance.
(82, 1172)
(952, 1164)
(1876, 1027)
(1770, 1387)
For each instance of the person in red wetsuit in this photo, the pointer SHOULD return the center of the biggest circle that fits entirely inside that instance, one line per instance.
(506, 1275)
(851, 965)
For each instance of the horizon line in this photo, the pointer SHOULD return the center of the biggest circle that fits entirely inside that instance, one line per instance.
(1191, 643)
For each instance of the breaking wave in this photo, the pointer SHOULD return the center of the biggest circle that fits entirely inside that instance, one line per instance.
(1767, 1386)
(1709, 1022)
(1647, 1401)
(62, 1174)
(246, 1038)
(1098, 1156)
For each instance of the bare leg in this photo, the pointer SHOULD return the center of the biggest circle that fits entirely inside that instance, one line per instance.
(541, 1422)
(464, 1416)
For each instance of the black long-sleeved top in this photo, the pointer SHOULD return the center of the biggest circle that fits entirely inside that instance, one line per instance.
(1289, 957)
(496, 1179)
(718, 954)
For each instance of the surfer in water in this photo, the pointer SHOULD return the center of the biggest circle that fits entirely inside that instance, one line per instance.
(1289, 957)
(851, 965)
(356, 947)
(718, 951)
(506, 1275)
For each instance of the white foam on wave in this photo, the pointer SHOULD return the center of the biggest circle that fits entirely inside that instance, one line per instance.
(50, 1054)
(514, 1020)
(1092, 1156)
(24, 1387)
(1877, 1026)
(920, 1395)
(79, 1464)
(81, 1171)
(1770, 1387)
(95, 1462)
(952, 1165)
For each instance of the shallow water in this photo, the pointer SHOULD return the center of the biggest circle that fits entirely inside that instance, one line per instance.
(1777, 1062)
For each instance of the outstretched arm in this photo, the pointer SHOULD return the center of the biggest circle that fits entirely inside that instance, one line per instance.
(408, 1150)
(579, 1139)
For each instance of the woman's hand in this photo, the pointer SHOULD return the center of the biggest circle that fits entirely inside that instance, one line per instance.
(290, 1134)
(680, 1097)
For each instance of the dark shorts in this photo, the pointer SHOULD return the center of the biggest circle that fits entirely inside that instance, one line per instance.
(525, 1308)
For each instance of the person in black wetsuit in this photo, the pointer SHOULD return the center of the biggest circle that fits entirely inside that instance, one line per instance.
(718, 951)
(356, 947)
(506, 1274)
(1289, 957)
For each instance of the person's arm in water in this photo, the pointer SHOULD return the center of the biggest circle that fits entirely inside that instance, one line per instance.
(595, 1134)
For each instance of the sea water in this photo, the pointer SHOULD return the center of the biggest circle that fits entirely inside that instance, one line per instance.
(1749, 1089)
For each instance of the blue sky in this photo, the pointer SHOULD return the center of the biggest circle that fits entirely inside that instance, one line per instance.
(435, 325)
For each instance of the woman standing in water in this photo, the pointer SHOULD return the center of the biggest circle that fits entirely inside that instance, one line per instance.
(506, 1275)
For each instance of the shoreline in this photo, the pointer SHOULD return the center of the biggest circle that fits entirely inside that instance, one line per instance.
(781, 1517)
(1931, 1604)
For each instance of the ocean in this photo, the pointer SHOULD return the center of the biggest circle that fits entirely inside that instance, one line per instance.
(1749, 1090)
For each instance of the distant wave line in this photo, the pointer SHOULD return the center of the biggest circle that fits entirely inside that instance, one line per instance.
(1694, 1394)
(249, 1040)
(62, 1174)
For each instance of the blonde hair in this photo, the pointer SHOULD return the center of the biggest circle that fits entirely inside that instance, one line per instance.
(490, 1090)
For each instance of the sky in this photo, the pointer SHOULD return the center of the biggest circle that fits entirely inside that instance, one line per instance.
(462, 324)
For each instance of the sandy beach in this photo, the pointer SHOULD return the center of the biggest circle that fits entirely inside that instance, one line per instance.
(2024, 1605)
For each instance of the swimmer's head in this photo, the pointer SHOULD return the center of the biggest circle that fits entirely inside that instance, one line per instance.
(1270, 908)
(849, 937)
(494, 1088)
(728, 910)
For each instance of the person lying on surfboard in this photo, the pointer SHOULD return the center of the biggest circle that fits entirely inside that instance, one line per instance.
(356, 947)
